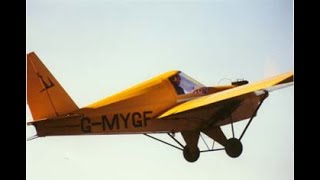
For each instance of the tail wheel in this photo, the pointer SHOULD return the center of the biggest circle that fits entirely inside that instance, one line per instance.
(233, 147)
(191, 155)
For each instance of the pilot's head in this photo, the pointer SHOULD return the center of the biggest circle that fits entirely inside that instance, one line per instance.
(176, 79)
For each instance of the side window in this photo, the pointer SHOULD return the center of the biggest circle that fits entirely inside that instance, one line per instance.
(176, 81)
(184, 84)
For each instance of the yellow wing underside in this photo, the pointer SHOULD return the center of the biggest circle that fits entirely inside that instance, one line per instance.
(231, 93)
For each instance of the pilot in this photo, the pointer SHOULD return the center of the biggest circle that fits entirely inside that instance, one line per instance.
(176, 83)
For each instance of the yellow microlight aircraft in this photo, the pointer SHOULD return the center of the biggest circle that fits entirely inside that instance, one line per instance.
(169, 103)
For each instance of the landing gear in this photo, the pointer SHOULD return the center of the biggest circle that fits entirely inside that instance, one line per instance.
(233, 147)
(191, 155)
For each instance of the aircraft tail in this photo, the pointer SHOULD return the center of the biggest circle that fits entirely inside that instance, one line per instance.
(45, 96)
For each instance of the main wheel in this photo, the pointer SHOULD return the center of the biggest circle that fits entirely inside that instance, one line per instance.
(191, 155)
(233, 147)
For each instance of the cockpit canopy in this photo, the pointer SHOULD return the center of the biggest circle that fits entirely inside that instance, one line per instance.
(184, 84)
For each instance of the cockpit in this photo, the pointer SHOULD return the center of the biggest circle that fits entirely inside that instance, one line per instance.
(184, 84)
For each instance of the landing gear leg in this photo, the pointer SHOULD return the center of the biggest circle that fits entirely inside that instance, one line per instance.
(233, 146)
(191, 151)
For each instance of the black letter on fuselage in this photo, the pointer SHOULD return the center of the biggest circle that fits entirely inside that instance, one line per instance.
(137, 123)
(125, 119)
(105, 122)
(145, 118)
(86, 125)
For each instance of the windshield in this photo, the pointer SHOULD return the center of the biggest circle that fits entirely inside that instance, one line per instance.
(185, 84)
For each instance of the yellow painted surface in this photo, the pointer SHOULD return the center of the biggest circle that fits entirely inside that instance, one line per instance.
(138, 109)
(45, 96)
(227, 94)
(147, 87)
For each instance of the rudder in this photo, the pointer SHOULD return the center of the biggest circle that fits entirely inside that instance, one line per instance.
(45, 96)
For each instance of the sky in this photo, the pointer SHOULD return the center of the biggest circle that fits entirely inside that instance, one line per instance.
(97, 48)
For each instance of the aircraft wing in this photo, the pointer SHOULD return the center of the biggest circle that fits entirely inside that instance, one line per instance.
(277, 82)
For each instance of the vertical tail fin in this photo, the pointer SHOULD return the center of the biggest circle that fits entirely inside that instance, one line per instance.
(45, 96)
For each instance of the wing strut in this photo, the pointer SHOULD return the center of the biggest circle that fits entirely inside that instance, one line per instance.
(205, 142)
(255, 112)
(232, 125)
(208, 150)
(166, 142)
(32, 137)
(212, 148)
(175, 140)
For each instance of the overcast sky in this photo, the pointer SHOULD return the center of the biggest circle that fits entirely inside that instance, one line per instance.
(97, 48)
